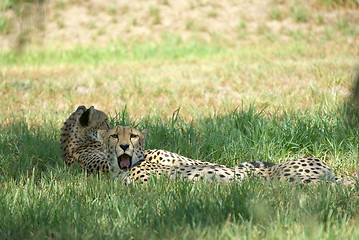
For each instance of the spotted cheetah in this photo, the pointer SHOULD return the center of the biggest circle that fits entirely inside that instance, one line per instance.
(79, 143)
(124, 147)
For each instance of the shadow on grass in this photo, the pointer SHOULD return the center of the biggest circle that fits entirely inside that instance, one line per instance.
(179, 207)
(245, 134)
(202, 210)
(25, 149)
(77, 206)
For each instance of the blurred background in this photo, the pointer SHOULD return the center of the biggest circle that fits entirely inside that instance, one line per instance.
(159, 55)
(69, 22)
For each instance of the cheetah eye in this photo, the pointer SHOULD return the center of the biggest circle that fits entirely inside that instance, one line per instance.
(133, 136)
(114, 136)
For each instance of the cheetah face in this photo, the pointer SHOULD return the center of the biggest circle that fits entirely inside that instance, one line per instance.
(124, 146)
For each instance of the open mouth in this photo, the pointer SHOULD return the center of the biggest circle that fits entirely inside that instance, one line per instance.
(124, 161)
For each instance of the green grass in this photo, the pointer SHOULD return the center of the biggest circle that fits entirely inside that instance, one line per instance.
(4, 24)
(116, 52)
(149, 79)
(298, 80)
(275, 14)
(298, 13)
(242, 30)
(41, 198)
(173, 49)
(155, 15)
(340, 3)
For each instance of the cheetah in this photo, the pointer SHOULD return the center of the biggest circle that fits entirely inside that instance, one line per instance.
(79, 143)
(124, 147)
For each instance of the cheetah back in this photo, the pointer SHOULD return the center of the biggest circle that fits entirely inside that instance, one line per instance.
(304, 170)
(79, 141)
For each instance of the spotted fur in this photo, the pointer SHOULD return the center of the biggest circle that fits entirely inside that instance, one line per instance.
(159, 162)
(305, 170)
(79, 141)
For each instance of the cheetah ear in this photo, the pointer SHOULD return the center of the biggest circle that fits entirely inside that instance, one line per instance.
(144, 133)
(101, 135)
(81, 108)
(85, 118)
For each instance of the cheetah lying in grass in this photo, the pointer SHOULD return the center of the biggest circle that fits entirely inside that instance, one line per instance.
(79, 143)
(124, 147)
(88, 139)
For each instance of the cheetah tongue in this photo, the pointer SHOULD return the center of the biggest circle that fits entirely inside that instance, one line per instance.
(125, 161)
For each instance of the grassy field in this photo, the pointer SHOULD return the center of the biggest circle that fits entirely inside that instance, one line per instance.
(259, 95)
(41, 198)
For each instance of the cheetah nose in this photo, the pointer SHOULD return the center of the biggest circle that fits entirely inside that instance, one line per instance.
(124, 146)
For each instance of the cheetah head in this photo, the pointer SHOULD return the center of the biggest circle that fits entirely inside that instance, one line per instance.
(124, 146)
(92, 120)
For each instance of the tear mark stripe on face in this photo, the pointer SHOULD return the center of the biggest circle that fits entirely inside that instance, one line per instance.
(115, 152)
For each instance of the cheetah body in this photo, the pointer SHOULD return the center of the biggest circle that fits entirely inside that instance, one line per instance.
(86, 139)
(79, 142)
(143, 167)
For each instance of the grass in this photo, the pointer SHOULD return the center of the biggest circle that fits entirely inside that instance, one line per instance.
(275, 14)
(155, 15)
(117, 52)
(267, 95)
(298, 13)
(41, 198)
(277, 75)
(101, 209)
(4, 24)
(339, 3)
(242, 30)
